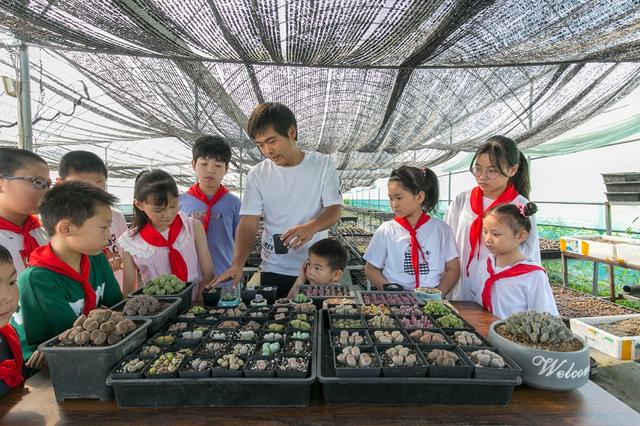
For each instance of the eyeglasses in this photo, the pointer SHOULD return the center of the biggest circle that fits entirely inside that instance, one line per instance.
(490, 173)
(37, 182)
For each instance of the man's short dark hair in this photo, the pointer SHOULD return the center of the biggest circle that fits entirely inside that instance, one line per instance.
(5, 256)
(81, 162)
(75, 200)
(271, 114)
(213, 147)
(332, 251)
(12, 159)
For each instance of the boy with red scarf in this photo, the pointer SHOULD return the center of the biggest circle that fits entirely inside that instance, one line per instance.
(11, 363)
(212, 203)
(71, 275)
(24, 179)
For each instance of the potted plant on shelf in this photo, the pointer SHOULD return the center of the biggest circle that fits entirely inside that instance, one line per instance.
(550, 355)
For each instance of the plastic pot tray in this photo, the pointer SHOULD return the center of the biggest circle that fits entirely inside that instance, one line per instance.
(158, 320)
(185, 295)
(216, 391)
(404, 390)
(80, 372)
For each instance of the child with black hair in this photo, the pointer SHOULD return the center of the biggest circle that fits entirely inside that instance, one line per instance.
(326, 262)
(69, 276)
(163, 240)
(210, 202)
(414, 249)
(24, 179)
(508, 283)
(502, 174)
(11, 361)
(87, 167)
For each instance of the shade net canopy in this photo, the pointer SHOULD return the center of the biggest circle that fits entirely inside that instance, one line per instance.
(375, 84)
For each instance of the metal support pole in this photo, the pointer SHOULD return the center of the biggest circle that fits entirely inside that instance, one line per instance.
(240, 183)
(607, 217)
(449, 197)
(25, 138)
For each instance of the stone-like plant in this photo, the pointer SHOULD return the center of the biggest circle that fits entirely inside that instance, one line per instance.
(538, 327)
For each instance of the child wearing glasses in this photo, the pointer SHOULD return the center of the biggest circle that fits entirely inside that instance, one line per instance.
(502, 174)
(24, 179)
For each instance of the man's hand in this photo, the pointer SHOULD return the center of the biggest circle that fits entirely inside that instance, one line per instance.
(298, 235)
(37, 361)
(234, 273)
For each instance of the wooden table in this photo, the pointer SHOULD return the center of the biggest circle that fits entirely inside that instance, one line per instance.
(590, 405)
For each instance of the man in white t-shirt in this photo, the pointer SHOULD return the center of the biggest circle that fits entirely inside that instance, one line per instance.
(297, 194)
(87, 167)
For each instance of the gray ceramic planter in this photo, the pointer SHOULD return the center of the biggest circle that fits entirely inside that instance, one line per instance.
(545, 369)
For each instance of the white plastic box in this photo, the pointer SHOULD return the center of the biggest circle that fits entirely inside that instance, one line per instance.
(624, 348)
(617, 249)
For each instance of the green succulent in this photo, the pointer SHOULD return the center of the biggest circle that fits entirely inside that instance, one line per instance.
(538, 327)
(436, 308)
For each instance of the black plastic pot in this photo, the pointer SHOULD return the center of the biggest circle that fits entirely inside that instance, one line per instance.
(269, 372)
(160, 319)
(417, 370)
(185, 370)
(462, 369)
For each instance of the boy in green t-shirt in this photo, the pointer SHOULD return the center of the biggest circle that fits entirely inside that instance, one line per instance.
(71, 275)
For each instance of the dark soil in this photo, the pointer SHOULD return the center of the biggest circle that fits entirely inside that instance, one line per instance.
(572, 345)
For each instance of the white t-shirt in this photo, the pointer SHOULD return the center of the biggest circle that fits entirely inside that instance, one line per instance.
(14, 243)
(514, 294)
(390, 250)
(460, 216)
(286, 197)
(118, 227)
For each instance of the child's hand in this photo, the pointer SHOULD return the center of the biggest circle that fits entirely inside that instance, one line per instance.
(37, 361)
(303, 271)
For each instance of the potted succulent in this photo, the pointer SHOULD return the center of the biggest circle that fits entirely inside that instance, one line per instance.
(550, 355)
(301, 299)
(258, 300)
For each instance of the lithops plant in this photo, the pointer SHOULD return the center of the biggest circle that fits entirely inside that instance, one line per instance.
(275, 327)
(230, 362)
(450, 321)
(427, 337)
(487, 358)
(199, 364)
(243, 349)
(197, 310)
(233, 313)
(344, 310)
(100, 328)
(141, 305)
(162, 285)
(538, 327)
(400, 356)
(464, 338)
(388, 337)
(150, 350)
(347, 323)
(416, 322)
(247, 335)
(168, 362)
(349, 339)
(373, 310)
(196, 334)
(251, 326)
(382, 321)
(163, 340)
(442, 358)
(351, 357)
(178, 326)
(301, 298)
(272, 337)
(134, 365)
(407, 311)
(294, 363)
(228, 324)
(300, 325)
(270, 348)
(302, 335)
(435, 308)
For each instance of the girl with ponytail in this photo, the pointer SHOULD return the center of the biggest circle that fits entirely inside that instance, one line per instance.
(502, 174)
(414, 249)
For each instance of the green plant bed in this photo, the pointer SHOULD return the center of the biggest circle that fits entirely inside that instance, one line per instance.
(629, 304)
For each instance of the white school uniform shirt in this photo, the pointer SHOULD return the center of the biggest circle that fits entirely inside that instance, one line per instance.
(286, 197)
(14, 243)
(114, 255)
(390, 250)
(460, 216)
(514, 294)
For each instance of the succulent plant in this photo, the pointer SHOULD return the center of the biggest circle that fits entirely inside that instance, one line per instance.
(344, 310)
(373, 310)
(230, 362)
(275, 327)
(141, 305)
(350, 356)
(305, 308)
(229, 324)
(427, 337)
(325, 291)
(162, 285)
(538, 327)
(280, 316)
(150, 350)
(168, 362)
(407, 311)
(283, 301)
(199, 364)
(134, 365)
(300, 325)
(101, 327)
(252, 326)
(388, 337)
(178, 326)
(301, 298)
(436, 308)
(294, 363)
(258, 300)
(269, 349)
(416, 322)
(196, 334)
(487, 358)
(303, 317)
(400, 356)
(301, 335)
(233, 313)
(248, 335)
(347, 323)
(272, 337)
(229, 297)
(197, 310)
(216, 347)
(464, 338)
(164, 340)
(442, 358)
(243, 349)
(298, 347)
(382, 321)
(389, 299)
(450, 321)
(350, 339)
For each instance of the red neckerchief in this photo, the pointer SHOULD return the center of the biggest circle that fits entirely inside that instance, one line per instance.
(29, 243)
(514, 271)
(11, 369)
(155, 238)
(197, 192)
(44, 257)
(415, 246)
(476, 201)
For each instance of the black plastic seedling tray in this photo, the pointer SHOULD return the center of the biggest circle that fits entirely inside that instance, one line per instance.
(185, 296)
(217, 391)
(511, 371)
(160, 319)
(404, 390)
(80, 372)
(319, 300)
(417, 370)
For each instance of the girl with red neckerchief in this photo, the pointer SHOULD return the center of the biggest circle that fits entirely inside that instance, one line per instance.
(162, 240)
(502, 174)
(414, 249)
(11, 362)
(508, 283)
